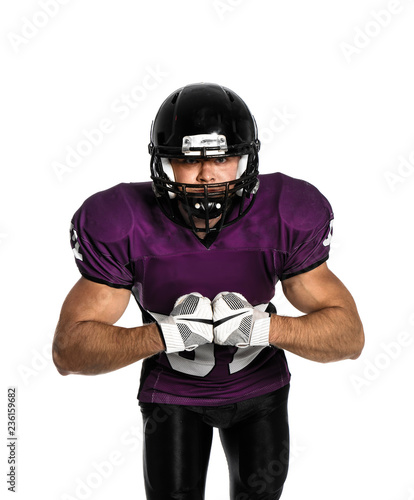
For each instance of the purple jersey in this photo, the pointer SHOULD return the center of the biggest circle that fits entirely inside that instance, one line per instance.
(121, 238)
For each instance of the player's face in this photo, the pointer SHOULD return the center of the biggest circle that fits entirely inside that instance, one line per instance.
(202, 171)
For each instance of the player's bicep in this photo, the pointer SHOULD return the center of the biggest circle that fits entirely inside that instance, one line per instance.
(317, 289)
(90, 301)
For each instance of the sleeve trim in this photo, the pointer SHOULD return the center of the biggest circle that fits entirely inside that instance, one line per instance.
(103, 282)
(305, 270)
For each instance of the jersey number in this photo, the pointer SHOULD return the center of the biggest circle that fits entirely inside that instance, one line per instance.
(204, 360)
(74, 238)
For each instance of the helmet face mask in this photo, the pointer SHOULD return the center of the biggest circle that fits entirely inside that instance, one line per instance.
(202, 122)
(228, 201)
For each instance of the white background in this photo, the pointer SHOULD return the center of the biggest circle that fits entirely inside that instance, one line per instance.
(347, 104)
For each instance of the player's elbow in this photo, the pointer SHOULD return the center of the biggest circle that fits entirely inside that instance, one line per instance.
(59, 362)
(358, 343)
(60, 355)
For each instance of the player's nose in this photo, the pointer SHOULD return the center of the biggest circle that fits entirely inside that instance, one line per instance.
(206, 171)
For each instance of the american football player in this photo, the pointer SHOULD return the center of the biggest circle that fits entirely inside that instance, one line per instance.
(201, 248)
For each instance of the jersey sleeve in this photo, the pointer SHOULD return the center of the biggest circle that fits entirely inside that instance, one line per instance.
(100, 243)
(310, 234)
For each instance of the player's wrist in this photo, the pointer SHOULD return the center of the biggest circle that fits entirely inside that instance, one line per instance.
(261, 331)
(171, 336)
(150, 336)
(277, 326)
(160, 335)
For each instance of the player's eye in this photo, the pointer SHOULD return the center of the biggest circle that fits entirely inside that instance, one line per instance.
(221, 160)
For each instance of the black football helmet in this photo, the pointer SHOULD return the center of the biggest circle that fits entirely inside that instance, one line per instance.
(204, 121)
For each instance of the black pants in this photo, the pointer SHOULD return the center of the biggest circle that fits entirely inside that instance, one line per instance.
(254, 435)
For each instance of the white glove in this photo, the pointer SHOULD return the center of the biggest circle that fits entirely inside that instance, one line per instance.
(238, 323)
(189, 325)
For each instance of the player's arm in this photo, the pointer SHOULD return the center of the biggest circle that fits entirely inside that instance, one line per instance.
(330, 330)
(87, 342)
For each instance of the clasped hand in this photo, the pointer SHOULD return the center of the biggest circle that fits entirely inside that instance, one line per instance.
(227, 320)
